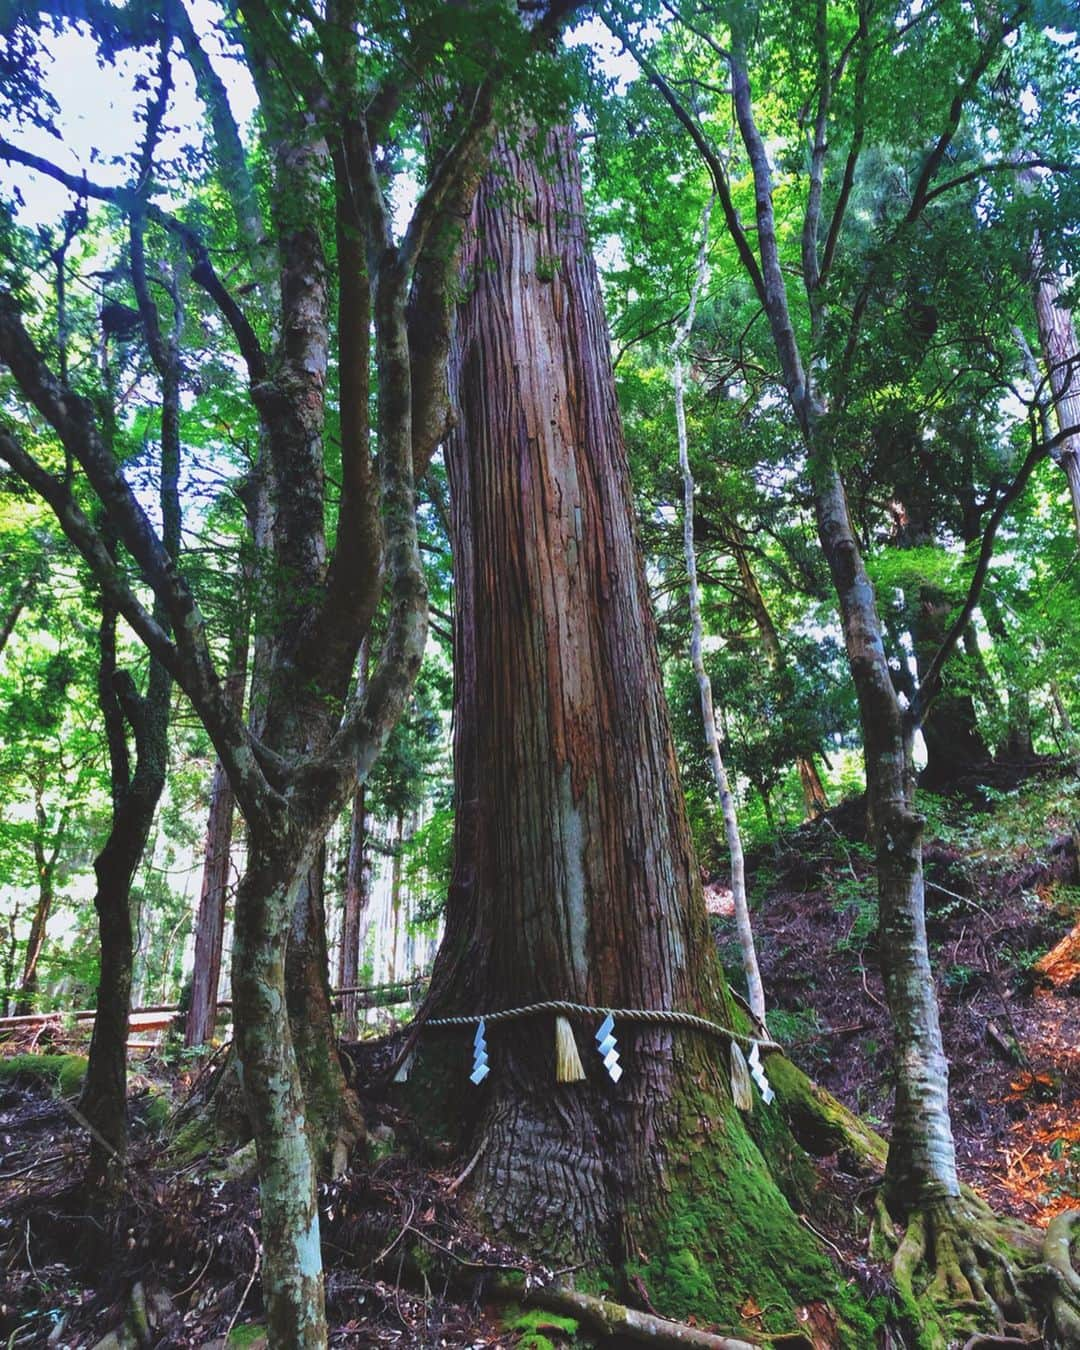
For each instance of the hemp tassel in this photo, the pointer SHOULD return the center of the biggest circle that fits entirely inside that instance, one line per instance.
(568, 1068)
(740, 1080)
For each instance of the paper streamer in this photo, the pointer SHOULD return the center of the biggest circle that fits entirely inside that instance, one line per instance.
(757, 1072)
(480, 1059)
(605, 1043)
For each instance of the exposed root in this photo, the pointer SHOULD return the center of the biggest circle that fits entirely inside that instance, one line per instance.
(959, 1268)
(1063, 1325)
(607, 1319)
(823, 1125)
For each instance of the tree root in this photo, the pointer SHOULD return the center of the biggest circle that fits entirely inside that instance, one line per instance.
(1063, 1324)
(959, 1267)
(823, 1125)
(604, 1318)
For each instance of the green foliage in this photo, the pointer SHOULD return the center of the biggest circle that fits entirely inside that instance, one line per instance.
(428, 860)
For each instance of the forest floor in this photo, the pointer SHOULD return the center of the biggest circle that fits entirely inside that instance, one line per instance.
(1003, 889)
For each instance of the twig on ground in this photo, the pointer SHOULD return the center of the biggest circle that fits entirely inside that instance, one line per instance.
(251, 1281)
(821, 1236)
(452, 1189)
(206, 1266)
(868, 991)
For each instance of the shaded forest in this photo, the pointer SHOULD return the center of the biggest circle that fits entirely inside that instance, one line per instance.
(539, 674)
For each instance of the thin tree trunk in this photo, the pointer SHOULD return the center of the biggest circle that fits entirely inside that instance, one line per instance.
(45, 866)
(357, 890)
(755, 989)
(922, 1160)
(210, 920)
(9, 960)
(357, 895)
(135, 794)
(395, 898)
(23, 595)
(1061, 352)
(815, 798)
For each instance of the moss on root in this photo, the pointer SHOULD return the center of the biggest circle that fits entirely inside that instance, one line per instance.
(65, 1073)
(539, 1330)
(820, 1123)
(959, 1269)
(727, 1237)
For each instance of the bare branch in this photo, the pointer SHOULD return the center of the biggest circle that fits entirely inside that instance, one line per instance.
(862, 72)
(202, 271)
(705, 149)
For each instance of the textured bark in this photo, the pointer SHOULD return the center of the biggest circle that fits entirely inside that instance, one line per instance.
(292, 1267)
(334, 1122)
(574, 876)
(210, 919)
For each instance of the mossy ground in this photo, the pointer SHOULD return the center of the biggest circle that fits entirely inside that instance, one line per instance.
(64, 1073)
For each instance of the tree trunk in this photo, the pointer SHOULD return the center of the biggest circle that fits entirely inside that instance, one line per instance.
(922, 1163)
(104, 1095)
(357, 894)
(22, 597)
(45, 865)
(395, 900)
(210, 920)
(815, 798)
(954, 746)
(278, 864)
(134, 794)
(574, 876)
(7, 971)
(754, 987)
(334, 1121)
(1061, 352)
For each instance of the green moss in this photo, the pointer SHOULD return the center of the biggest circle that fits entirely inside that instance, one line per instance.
(727, 1235)
(156, 1110)
(535, 1328)
(249, 1335)
(194, 1139)
(65, 1073)
(820, 1122)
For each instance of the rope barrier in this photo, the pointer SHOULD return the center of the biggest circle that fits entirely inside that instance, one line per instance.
(648, 1016)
